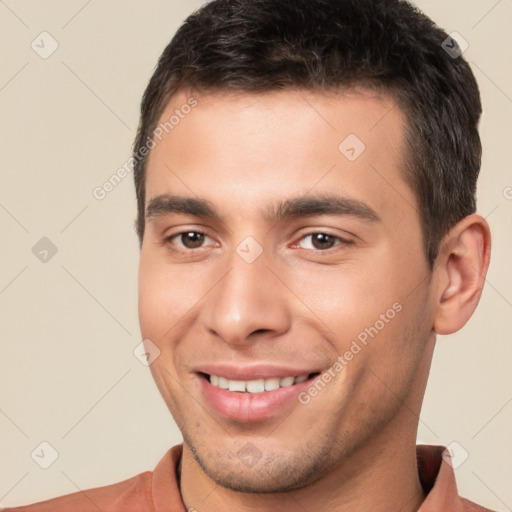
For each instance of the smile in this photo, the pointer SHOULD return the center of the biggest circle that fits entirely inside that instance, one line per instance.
(257, 385)
(256, 398)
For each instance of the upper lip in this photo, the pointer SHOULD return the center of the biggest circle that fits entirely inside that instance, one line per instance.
(253, 371)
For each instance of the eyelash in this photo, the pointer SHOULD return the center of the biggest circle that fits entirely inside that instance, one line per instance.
(340, 240)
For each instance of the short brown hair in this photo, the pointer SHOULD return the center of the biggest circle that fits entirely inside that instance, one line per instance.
(389, 45)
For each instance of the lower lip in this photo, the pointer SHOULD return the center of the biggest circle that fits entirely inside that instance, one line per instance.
(249, 407)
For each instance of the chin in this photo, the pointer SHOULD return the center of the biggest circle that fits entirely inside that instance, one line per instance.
(271, 473)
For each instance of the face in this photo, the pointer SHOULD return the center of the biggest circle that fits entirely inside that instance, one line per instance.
(283, 282)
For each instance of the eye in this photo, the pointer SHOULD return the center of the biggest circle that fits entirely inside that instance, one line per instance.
(188, 239)
(320, 241)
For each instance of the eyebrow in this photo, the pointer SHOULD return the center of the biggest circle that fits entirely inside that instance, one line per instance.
(305, 206)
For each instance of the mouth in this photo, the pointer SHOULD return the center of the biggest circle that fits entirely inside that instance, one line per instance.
(258, 397)
(256, 386)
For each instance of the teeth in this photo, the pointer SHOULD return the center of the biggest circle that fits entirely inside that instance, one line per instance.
(287, 381)
(223, 383)
(236, 385)
(271, 384)
(256, 386)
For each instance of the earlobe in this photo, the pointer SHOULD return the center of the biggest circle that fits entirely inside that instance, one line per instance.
(461, 267)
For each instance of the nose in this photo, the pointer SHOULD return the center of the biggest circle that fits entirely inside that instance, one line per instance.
(247, 302)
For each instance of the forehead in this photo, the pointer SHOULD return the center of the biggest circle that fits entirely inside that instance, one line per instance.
(239, 149)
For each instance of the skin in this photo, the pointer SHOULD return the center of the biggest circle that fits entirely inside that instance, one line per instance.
(352, 447)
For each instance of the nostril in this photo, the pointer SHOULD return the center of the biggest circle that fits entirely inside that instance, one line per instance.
(260, 331)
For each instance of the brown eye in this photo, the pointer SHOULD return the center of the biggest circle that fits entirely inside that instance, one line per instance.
(187, 240)
(322, 241)
(192, 239)
(319, 241)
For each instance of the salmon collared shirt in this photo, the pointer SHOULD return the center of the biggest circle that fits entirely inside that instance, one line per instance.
(158, 490)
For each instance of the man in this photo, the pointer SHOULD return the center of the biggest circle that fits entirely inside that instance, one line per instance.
(305, 174)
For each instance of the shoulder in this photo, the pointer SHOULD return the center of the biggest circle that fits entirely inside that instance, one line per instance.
(141, 493)
(131, 495)
(437, 478)
(469, 506)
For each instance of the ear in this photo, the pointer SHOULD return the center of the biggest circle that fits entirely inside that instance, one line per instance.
(460, 269)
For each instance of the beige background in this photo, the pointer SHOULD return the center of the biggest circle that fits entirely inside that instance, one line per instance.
(69, 326)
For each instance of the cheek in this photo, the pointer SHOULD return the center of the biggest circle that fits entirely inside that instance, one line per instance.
(347, 298)
(159, 297)
(151, 298)
(370, 318)
(169, 294)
